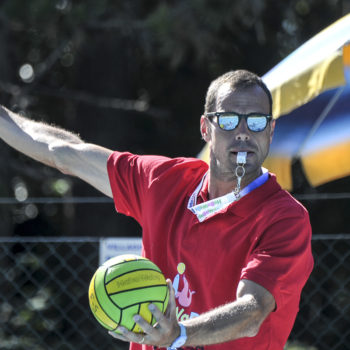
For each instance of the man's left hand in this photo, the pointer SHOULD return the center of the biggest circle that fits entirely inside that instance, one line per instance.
(162, 334)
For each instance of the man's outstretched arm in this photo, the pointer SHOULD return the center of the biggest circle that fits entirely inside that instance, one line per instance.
(57, 148)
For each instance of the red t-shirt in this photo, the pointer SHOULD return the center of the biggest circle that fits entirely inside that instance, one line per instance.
(264, 237)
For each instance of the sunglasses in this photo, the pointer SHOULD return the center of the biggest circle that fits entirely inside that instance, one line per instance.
(229, 120)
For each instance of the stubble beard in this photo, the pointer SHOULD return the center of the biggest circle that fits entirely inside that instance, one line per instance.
(223, 170)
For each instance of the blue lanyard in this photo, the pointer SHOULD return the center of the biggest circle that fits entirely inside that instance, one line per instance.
(210, 208)
(256, 183)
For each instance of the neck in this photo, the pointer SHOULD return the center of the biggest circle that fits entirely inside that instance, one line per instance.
(218, 187)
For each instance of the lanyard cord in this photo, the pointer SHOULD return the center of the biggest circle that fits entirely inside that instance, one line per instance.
(210, 208)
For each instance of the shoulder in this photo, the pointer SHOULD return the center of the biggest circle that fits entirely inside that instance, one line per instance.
(282, 202)
(155, 165)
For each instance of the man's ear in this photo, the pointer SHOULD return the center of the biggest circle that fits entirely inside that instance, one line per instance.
(205, 129)
(273, 124)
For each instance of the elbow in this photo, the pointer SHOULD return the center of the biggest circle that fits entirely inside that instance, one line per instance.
(60, 156)
(254, 322)
(251, 328)
(256, 303)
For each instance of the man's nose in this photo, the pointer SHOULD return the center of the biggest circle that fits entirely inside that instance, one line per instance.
(242, 131)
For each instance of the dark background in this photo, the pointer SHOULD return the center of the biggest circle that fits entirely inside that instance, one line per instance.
(132, 76)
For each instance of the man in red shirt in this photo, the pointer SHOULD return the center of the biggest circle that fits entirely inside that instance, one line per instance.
(235, 245)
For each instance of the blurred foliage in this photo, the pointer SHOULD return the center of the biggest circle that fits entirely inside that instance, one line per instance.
(44, 303)
(129, 75)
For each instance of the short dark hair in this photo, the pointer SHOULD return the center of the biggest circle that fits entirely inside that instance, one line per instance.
(238, 79)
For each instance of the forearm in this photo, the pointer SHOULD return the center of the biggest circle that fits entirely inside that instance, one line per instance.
(32, 138)
(235, 320)
(56, 147)
(241, 318)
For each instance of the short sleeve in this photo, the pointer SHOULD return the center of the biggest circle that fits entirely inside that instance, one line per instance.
(138, 181)
(130, 177)
(281, 260)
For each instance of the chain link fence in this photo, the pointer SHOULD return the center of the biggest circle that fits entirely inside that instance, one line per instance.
(44, 303)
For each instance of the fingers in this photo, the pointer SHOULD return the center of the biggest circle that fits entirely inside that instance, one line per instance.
(171, 309)
(117, 336)
(128, 336)
(158, 315)
(171, 289)
(165, 328)
(151, 334)
(146, 327)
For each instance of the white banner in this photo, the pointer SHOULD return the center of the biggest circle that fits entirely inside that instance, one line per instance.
(111, 247)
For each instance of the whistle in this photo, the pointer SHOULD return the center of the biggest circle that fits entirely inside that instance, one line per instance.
(241, 158)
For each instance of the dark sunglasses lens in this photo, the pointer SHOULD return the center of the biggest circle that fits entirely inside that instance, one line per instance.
(257, 123)
(228, 122)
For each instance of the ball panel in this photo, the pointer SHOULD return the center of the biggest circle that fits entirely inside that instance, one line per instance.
(129, 266)
(127, 318)
(97, 309)
(131, 297)
(137, 329)
(166, 301)
(110, 309)
(135, 279)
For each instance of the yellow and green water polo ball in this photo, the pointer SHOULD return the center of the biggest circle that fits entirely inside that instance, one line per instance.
(123, 287)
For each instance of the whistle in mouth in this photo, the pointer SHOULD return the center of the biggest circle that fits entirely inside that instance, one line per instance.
(241, 158)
